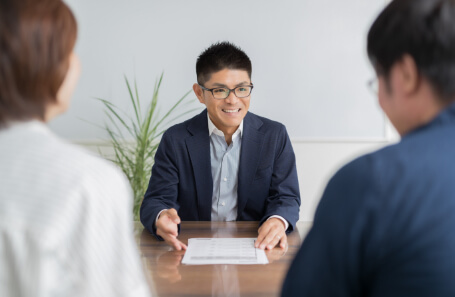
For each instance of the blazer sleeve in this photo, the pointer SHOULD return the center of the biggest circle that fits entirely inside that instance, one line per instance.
(162, 191)
(284, 195)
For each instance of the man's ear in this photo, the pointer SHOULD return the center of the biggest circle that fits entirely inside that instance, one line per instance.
(198, 92)
(408, 75)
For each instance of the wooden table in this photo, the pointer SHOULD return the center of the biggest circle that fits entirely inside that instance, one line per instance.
(169, 277)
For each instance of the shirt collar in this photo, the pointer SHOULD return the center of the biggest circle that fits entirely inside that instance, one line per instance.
(214, 130)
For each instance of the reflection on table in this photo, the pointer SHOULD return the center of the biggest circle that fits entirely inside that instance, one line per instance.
(170, 278)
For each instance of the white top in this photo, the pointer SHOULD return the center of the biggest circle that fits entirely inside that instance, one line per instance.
(66, 226)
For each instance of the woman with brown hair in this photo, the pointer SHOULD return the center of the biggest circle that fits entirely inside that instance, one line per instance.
(65, 216)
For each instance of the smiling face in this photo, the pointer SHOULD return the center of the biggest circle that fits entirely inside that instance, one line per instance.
(226, 114)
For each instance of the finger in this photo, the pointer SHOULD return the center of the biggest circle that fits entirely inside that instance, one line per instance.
(279, 238)
(170, 228)
(174, 242)
(259, 240)
(167, 230)
(183, 246)
(267, 239)
(169, 233)
(284, 241)
(173, 215)
(273, 241)
(263, 231)
(177, 244)
(165, 225)
(276, 232)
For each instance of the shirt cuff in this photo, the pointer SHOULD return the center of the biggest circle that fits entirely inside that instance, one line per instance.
(157, 217)
(286, 224)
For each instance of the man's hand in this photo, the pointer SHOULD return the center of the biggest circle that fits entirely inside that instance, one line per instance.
(270, 234)
(166, 227)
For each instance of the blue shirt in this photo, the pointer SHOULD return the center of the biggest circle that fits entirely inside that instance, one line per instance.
(385, 225)
(225, 167)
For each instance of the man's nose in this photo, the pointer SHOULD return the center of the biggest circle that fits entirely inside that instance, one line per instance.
(232, 98)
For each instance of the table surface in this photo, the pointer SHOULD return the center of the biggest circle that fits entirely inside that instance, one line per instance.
(168, 277)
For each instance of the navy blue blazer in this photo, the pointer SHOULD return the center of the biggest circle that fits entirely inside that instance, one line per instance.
(385, 225)
(182, 178)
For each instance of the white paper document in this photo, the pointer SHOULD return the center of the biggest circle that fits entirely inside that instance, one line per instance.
(223, 251)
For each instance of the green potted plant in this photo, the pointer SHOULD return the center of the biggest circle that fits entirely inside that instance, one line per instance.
(135, 153)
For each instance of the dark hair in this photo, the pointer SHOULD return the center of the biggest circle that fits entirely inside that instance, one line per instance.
(423, 29)
(220, 56)
(36, 40)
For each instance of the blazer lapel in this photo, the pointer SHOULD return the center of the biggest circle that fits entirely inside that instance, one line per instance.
(252, 141)
(198, 147)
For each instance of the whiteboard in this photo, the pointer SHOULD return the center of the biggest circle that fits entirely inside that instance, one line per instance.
(310, 66)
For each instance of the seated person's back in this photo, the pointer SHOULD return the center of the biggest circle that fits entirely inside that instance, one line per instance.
(65, 219)
(385, 225)
(65, 216)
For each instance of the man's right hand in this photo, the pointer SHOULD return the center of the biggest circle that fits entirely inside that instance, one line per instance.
(166, 227)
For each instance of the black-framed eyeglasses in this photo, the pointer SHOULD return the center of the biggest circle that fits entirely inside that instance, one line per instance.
(373, 85)
(223, 93)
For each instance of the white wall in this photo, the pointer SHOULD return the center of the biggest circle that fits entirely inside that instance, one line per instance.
(317, 161)
(309, 59)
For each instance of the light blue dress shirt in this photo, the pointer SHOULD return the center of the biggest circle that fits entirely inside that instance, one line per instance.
(224, 161)
(225, 168)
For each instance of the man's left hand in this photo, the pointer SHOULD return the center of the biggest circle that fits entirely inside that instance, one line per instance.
(270, 234)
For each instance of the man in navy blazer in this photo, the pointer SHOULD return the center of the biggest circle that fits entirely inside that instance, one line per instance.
(225, 163)
(385, 225)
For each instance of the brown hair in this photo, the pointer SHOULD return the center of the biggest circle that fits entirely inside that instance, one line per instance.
(36, 40)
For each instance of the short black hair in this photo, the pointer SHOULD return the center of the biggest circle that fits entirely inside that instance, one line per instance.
(219, 56)
(423, 29)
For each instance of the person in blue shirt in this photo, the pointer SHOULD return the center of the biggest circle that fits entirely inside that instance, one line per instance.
(225, 164)
(385, 225)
